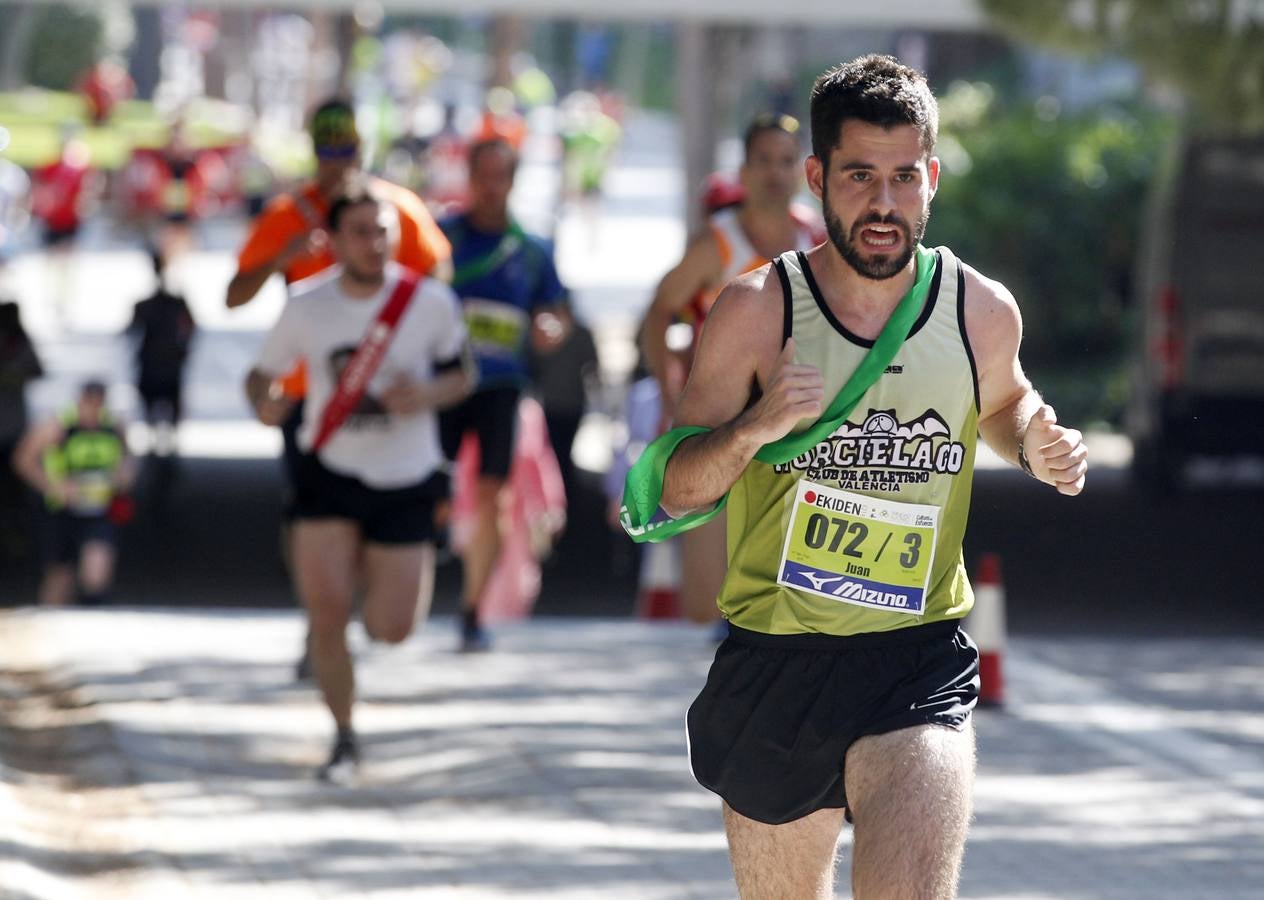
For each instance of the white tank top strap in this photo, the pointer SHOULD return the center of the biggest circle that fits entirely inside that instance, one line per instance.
(736, 250)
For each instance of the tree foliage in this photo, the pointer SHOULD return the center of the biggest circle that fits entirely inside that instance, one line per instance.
(1050, 204)
(65, 41)
(1212, 51)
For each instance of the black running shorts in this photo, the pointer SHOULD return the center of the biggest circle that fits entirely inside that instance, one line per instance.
(386, 516)
(493, 415)
(67, 534)
(771, 728)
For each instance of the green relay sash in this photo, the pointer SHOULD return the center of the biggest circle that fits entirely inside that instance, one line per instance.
(644, 519)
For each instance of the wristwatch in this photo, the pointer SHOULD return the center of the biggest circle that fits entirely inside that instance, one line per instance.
(1022, 460)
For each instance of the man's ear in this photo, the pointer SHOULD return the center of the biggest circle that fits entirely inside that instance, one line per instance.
(932, 175)
(814, 170)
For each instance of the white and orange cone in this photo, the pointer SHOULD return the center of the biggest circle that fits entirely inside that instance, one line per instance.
(659, 589)
(986, 624)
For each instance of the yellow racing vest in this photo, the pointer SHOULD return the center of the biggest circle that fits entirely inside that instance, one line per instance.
(863, 532)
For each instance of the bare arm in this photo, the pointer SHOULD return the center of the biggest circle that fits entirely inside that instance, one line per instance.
(739, 349)
(269, 405)
(125, 474)
(699, 269)
(245, 285)
(406, 397)
(1012, 415)
(28, 457)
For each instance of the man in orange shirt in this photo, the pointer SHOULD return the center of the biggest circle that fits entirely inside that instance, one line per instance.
(288, 238)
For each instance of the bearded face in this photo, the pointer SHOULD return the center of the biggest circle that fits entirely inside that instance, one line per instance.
(875, 196)
(876, 246)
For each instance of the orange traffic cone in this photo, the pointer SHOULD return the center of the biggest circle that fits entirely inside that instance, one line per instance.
(986, 624)
(659, 590)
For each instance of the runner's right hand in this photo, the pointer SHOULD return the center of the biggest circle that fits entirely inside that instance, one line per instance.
(794, 392)
(274, 408)
(309, 243)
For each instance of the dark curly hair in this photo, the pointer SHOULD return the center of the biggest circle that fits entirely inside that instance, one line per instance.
(876, 89)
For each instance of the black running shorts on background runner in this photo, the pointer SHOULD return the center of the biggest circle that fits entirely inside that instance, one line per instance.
(771, 728)
(386, 516)
(493, 414)
(67, 533)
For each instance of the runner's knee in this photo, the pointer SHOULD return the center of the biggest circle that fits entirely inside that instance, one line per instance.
(393, 630)
(328, 620)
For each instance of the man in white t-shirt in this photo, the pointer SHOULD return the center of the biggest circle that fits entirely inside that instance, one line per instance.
(364, 504)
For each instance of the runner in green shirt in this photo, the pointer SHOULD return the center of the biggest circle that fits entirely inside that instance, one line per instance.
(846, 684)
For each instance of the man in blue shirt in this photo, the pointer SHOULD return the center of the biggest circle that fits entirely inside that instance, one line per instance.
(503, 277)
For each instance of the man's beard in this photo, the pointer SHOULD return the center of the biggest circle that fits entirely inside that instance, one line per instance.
(876, 268)
(363, 277)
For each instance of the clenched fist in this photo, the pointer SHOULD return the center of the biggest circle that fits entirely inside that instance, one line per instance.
(1057, 455)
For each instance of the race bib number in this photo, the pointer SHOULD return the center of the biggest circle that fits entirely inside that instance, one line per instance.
(92, 493)
(496, 329)
(175, 197)
(857, 549)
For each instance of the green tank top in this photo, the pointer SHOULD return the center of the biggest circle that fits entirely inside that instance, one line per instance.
(863, 532)
(88, 457)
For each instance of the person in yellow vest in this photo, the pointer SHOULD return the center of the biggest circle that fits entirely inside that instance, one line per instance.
(80, 463)
(736, 239)
(846, 685)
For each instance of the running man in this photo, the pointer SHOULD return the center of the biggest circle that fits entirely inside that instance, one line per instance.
(80, 463)
(503, 276)
(289, 239)
(736, 240)
(162, 328)
(365, 499)
(846, 684)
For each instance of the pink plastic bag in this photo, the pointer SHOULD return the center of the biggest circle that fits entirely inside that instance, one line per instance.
(532, 514)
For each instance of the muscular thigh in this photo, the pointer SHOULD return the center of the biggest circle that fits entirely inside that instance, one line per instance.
(96, 563)
(891, 773)
(909, 793)
(325, 556)
(792, 861)
(398, 582)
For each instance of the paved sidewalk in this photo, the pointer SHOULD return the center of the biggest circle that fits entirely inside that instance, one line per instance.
(167, 754)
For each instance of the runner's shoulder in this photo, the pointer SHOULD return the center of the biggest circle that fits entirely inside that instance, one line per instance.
(991, 312)
(408, 203)
(437, 292)
(750, 307)
(314, 288)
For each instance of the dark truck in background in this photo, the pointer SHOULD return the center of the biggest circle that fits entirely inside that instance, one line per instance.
(1198, 367)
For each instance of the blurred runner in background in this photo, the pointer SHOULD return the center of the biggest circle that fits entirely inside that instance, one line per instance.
(738, 238)
(365, 498)
(15, 202)
(501, 119)
(589, 139)
(19, 364)
(447, 167)
(166, 190)
(80, 463)
(563, 368)
(289, 239)
(503, 276)
(63, 195)
(162, 328)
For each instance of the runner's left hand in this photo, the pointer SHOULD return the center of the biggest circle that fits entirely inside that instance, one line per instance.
(405, 396)
(1057, 455)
